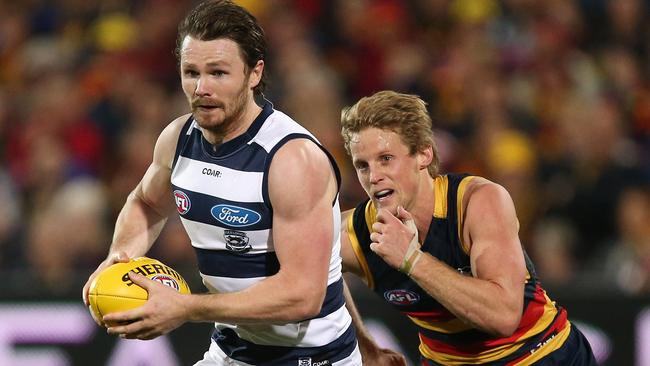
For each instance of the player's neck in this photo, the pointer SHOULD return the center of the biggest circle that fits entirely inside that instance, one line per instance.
(423, 210)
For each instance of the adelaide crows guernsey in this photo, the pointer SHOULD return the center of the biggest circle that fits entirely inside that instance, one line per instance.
(222, 198)
(445, 339)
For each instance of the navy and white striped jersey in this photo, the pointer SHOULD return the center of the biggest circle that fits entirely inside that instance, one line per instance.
(223, 201)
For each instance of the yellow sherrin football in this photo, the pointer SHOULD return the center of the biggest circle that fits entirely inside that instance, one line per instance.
(112, 290)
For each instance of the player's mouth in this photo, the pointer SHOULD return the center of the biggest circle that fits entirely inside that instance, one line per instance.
(203, 105)
(206, 108)
(383, 195)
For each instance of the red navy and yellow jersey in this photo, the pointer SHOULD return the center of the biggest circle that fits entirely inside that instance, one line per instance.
(445, 339)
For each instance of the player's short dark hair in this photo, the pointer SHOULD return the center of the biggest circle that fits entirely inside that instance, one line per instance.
(214, 19)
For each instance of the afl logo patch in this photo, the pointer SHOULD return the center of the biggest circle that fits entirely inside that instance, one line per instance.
(167, 281)
(183, 203)
(235, 216)
(401, 297)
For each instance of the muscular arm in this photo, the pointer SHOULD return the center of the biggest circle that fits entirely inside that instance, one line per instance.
(491, 300)
(302, 187)
(147, 207)
(145, 212)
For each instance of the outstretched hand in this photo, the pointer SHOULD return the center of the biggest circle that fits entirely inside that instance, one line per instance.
(392, 236)
(163, 312)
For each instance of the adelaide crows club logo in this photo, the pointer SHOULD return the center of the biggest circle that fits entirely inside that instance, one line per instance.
(236, 241)
(183, 203)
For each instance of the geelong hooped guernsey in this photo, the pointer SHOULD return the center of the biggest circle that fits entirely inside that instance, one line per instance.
(223, 201)
(445, 339)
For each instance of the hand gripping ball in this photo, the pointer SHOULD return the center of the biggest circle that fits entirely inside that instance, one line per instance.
(113, 291)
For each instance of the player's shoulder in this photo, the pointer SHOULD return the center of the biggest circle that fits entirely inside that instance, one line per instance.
(300, 156)
(166, 144)
(483, 186)
(174, 128)
(169, 135)
(484, 193)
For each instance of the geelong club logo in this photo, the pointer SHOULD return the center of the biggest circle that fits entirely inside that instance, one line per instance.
(183, 203)
(236, 241)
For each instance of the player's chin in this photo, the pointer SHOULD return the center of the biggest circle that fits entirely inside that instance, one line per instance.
(386, 204)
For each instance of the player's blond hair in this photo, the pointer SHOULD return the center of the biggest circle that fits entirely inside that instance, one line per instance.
(403, 114)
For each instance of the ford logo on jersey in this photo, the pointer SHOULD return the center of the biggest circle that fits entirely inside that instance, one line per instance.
(235, 216)
(401, 297)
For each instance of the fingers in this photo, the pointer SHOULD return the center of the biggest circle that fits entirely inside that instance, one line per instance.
(84, 293)
(383, 215)
(136, 329)
(402, 214)
(86, 288)
(140, 280)
(129, 331)
(123, 321)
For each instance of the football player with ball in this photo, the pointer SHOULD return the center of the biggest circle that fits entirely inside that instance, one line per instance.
(258, 197)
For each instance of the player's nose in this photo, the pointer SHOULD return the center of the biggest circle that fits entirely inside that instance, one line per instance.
(203, 87)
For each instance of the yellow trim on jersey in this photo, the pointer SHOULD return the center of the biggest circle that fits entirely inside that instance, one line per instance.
(358, 252)
(440, 186)
(548, 347)
(493, 354)
(502, 351)
(550, 311)
(454, 325)
(459, 211)
(371, 215)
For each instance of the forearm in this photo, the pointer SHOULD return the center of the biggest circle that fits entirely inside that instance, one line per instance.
(137, 227)
(363, 336)
(277, 299)
(482, 304)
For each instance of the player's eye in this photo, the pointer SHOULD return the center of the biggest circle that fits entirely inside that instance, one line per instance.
(360, 166)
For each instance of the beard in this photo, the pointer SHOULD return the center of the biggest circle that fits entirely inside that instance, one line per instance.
(232, 112)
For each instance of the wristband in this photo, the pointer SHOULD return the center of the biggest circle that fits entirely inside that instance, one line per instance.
(408, 265)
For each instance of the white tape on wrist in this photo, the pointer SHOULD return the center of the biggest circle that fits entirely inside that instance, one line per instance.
(413, 252)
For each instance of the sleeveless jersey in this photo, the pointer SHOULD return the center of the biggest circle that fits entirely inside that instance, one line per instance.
(223, 201)
(445, 339)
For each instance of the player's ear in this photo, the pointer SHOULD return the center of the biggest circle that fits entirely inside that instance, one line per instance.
(256, 74)
(425, 157)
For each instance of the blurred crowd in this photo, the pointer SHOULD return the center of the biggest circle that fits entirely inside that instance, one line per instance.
(549, 98)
